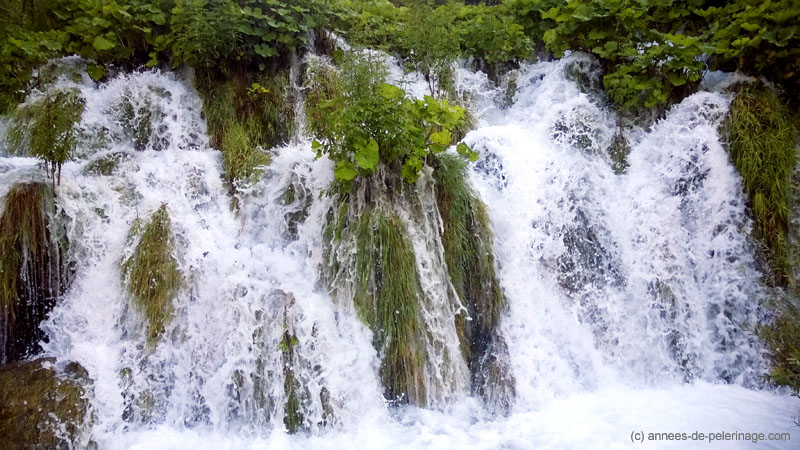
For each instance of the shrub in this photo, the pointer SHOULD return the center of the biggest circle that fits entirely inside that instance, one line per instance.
(46, 129)
(364, 121)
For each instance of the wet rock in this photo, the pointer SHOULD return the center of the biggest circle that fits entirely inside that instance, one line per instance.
(42, 408)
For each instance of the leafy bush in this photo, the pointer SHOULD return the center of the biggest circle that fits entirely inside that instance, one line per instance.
(759, 38)
(365, 121)
(46, 129)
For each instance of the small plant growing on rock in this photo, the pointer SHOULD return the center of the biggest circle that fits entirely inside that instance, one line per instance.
(46, 129)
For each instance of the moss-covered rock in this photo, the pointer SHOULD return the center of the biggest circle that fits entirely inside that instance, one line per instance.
(34, 269)
(43, 409)
(105, 165)
(469, 255)
(151, 274)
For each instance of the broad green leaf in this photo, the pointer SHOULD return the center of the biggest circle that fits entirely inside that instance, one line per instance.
(345, 171)
(367, 157)
(102, 44)
(442, 137)
(96, 72)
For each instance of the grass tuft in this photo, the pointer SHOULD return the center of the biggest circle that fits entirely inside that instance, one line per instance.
(152, 274)
(762, 148)
(783, 339)
(246, 113)
(387, 299)
(467, 241)
(32, 268)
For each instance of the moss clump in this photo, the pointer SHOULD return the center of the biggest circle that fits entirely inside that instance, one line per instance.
(783, 338)
(152, 274)
(33, 267)
(293, 413)
(245, 114)
(762, 148)
(467, 241)
(387, 299)
(46, 129)
(105, 165)
(42, 409)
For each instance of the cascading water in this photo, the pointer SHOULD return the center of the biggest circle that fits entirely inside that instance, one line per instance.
(631, 296)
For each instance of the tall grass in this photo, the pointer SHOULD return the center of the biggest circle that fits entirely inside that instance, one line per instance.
(762, 148)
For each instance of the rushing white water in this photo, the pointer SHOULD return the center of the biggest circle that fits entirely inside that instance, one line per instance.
(632, 296)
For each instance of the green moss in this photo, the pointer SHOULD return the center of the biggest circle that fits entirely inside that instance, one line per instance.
(293, 413)
(33, 268)
(387, 299)
(42, 409)
(783, 339)
(244, 112)
(762, 149)
(105, 165)
(46, 129)
(152, 275)
(467, 241)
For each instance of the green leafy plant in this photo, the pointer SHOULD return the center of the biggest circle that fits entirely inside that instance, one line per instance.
(364, 121)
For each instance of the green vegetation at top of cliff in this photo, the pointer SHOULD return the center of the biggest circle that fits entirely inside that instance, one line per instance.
(652, 52)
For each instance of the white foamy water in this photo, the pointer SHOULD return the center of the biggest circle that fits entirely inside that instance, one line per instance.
(632, 296)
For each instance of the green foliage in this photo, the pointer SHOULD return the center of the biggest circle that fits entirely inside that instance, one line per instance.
(646, 46)
(759, 38)
(23, 240)
(151, 274)
(246, 113)
(361, 121)
(387, 299)
(428, 44)
(46, 129)
(762, 149)
(783, 339)
(491, 34)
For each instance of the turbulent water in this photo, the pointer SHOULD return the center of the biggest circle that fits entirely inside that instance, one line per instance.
(631, 286)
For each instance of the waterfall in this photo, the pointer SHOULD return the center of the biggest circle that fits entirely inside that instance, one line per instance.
(631, 288)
